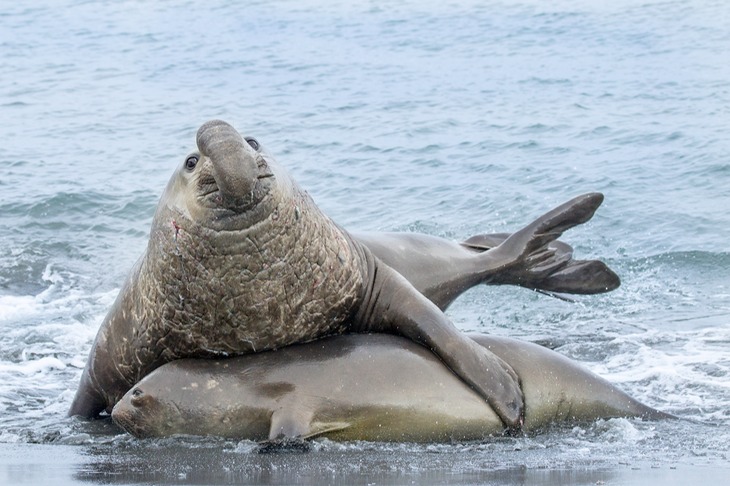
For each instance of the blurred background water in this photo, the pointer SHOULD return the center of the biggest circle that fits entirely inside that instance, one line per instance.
(450, 118)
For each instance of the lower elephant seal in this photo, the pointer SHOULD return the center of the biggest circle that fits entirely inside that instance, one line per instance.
(360, 387)
(241, 260)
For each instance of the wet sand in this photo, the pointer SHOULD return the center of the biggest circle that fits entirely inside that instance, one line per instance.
(28, 464)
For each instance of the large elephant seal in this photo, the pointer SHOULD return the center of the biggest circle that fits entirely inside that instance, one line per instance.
(360, 387)
(241, 260)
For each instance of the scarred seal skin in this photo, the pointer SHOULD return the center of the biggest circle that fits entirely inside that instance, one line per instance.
(361, 387)
(241, 260)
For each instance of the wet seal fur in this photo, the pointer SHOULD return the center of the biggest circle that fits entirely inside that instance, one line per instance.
(241, 260)
(361, 387)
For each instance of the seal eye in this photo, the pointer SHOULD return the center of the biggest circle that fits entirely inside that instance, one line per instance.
(137, 393)
(191, 162)
(253, 143)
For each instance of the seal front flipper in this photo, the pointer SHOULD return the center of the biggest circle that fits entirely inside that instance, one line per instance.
(87, 402)
(290, 427)
(394, 306)
(291, 422)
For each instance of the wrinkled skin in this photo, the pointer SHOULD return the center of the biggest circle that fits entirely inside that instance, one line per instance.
(241, 260)
(361, 387)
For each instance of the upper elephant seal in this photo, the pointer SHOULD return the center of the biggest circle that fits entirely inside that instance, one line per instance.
(240, 260)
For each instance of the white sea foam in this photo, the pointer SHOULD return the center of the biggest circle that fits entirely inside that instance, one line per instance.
(44, 339)
(31, 367)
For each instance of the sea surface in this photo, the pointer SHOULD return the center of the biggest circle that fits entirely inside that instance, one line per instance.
(449, 118)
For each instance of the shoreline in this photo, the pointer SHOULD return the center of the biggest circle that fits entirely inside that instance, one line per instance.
(31, 464)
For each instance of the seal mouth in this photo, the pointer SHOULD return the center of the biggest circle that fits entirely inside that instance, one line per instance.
(125, 419)
(212, 196)
(207, 186)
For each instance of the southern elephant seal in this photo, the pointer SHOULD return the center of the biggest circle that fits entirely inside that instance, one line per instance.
(241, 260)
(360, 387)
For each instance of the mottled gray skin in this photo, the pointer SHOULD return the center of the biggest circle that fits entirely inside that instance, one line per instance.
(361, 387)
(241, 260)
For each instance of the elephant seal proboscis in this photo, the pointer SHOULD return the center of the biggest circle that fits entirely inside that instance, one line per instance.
(241, 260)
(361, 387)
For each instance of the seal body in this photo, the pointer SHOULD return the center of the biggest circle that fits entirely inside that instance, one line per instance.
(361, 387)
(241, 260)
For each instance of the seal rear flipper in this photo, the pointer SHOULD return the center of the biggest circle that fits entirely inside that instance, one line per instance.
(536, 236)
(579, 277)
(552, 224)
(558, 389)
(484, 242)
(554, 270)
(547, 264)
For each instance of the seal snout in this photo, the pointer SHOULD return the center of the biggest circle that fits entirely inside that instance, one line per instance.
(214, 131)
(123, 415)
(131, 413)
(233, 161)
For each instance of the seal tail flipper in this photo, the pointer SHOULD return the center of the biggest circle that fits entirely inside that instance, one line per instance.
(551, 269)
(549, 264)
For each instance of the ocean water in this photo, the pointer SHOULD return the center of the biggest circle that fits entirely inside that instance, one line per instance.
(449, 118)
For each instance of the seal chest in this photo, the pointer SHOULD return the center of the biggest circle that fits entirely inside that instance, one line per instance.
(248, 274)
(284, 280)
